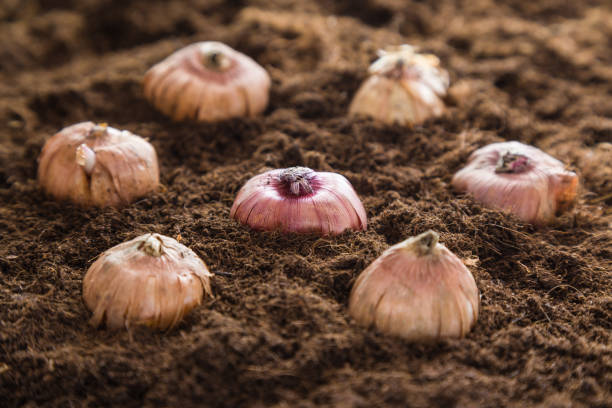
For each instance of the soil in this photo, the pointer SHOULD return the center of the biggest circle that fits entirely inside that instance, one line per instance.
(276, 333)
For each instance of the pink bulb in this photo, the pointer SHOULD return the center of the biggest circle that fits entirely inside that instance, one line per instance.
(417, 290)
(298, 199)
(518, 179)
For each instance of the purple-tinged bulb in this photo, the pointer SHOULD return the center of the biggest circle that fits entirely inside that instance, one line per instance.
(417, 290)
(518, 179)
(301, 200)
(404, 87)
(207, 82)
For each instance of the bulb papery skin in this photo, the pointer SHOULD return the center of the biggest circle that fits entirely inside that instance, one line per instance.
(404, 87)
(301, 200)
(417, 290)
(518, 179)
(97, 165)
(152, 280)
(207, 82)
(86, 158)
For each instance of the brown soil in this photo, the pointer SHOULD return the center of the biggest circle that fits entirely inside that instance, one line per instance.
(277, 331)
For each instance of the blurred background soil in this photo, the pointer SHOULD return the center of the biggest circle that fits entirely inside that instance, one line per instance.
(276, 332)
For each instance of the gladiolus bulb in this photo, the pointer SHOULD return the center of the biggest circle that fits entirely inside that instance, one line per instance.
(518, 179)
(404, 87)
(152, 280)
(298, 199)
(417, 290)
(97, 165)
(207, 81)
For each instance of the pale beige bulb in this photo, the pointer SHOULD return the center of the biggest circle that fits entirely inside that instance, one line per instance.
(207, 81)
(404, 87)
(152, 280)
(97, 165)
(417, 290)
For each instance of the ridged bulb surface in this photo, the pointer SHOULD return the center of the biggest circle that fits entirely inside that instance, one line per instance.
(152, 280)
(404, 87)
(518, 179)
(207, 82)
(417, 290)
(301, 200)
(97, 165)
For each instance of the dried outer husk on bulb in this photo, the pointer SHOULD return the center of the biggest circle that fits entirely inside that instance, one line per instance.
(417, 290)
(152, 280)
(207, 81)
(518, 179)
(97, 165)
(301, 200)
(404, 87)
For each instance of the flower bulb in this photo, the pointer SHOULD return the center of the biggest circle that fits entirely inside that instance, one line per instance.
(207, 81)
(298, 199)
(404, 87)
(152, 280)
(417, 290)
(518, 179)
(97, 165)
